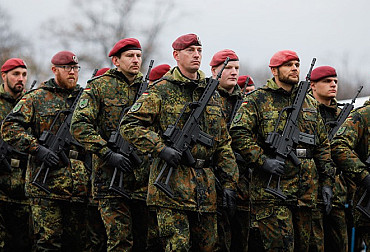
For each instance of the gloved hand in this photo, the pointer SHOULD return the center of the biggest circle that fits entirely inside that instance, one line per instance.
(273, 166)
(229, 201)
(171, 156)
(45, 155)
(117, 160)
(327, 194)
(366, 183)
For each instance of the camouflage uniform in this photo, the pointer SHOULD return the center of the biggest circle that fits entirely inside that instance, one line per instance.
(335, 226)
(233, 231)
(193, 207)
(350, 149)
(58, 217)
(272, 219)
(15, 225)
(94, 119)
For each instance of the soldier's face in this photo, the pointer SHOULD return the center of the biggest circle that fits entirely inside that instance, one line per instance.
(288, 73)
(189, 59)
(129, 62)
(229, 77)
(65, 79)
(325, 88)
(15, 80)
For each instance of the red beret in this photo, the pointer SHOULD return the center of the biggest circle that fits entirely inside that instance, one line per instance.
(281, 57)
(243, 78)
(101, 71)
(322, 72)
(124, 45)
(221, 56)
(12, 63)
(157, 72)
(185, 41)
(64, 58)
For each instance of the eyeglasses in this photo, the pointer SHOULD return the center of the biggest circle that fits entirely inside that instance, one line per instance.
(68, 68)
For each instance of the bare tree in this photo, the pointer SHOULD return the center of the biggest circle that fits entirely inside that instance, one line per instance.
(98, 25)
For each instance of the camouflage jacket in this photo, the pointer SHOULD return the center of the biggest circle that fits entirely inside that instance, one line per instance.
(145, 123)
(12, 184)
(228, 100)
(34, 114)
(256, 118)
(96, 117)
(330, 114)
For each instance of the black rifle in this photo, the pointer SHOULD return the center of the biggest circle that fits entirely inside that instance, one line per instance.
(347, 108)
(237, 104)
(284, 144)
(58, 143)
(33, 84)
(183, 139)
(94, 72)
(119, 145)
(365, 209)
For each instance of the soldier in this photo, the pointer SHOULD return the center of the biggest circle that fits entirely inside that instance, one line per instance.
(58, 215)
(188, 220)
(97, 116)
(324, 85)
(157, 72)
(15, 223)
(277, 224)
(230, 93)
(350, 151)
(242, 82)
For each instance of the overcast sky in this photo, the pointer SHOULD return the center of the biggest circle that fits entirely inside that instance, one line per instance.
(333, 31)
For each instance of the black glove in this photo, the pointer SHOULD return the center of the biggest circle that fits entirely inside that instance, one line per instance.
(327, 195)
(47, 156)
(117, 160)
(366, 183)
(273, 166)
(229, 201)
(171, 156)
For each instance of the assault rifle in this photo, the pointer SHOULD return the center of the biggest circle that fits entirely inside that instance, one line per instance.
(183, 139)
(58, 143)
(284, 144)
(237, 104)
(94, 72)
(365, 209)
(33, 84)
(119, 145)
(347, 108)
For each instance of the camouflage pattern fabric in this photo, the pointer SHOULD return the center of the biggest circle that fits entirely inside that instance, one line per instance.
(350, 149)
(256, 118)
(96, 235)
(176, 227)
(59, 225)
(95, 118)
(159, 107)
(34, 114)
(271, 229)
(335, 224)
(153, 241)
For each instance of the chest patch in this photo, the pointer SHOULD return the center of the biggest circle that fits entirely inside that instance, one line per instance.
(237, 117)
(17, 108)
(341, 130)
(135, 107)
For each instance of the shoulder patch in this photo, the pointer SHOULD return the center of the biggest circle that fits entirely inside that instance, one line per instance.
(237, 117)
(341, 130)
(136, 106)
(17, 108)
(83, 103)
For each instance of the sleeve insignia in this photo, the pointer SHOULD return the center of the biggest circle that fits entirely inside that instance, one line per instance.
(17, 108)
(135, 107)
(237, 117)
(341, 130)
(83, 103)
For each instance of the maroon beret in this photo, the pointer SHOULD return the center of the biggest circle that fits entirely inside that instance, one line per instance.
(185, 41)
(12, 63)
(157, 72)
(221, 56)
(243, 78)
(281, 57)
(101, 71)
(124, 45)
(322, 72)
(64, 58)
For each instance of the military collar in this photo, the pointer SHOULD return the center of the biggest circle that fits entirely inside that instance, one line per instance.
(52, 86)
(119, 75)
(175, 76)
(7, 95)
(224, 93)
(271, 85)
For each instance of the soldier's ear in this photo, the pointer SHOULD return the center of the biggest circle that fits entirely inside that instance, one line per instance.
(176, 55)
